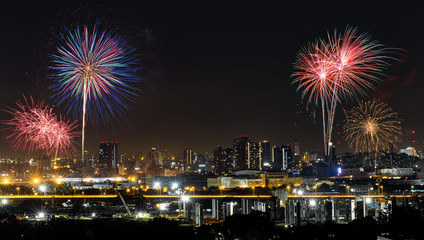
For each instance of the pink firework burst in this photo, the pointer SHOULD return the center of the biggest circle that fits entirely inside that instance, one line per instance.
(62, 138)
(315, 72)
(358, 62)
(343, 66)
(34, 126)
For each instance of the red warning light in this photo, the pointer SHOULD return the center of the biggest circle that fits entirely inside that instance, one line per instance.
(413, 132)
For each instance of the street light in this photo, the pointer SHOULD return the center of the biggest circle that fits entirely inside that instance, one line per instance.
(185, 198)
(3, 201)
(43, 188)
(312, 203)
(253, 191)
(348, 190)
(157, 186)
(220, 188)
(17, 189)
(59, 181)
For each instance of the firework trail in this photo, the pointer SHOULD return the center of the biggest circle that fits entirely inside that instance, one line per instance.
(372, 126)
(93, 73)
(341, 67)
(34, 126)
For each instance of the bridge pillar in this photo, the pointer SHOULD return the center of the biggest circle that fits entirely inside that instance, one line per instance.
(215, 209)
(328, 208)
(198, 214)
(259, 206)
(352, 210)
(245, 209)
(185, 212)
(289, 213)
(228, 209)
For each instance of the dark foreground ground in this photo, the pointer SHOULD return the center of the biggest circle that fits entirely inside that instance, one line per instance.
(405, 223)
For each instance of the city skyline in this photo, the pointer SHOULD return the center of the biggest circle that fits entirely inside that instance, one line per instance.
(223, 75)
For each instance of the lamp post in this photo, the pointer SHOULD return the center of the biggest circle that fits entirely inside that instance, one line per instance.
(158, 187)
(17, 189)
(43, 188)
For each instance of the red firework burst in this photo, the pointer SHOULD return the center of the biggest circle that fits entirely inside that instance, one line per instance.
(34, 126)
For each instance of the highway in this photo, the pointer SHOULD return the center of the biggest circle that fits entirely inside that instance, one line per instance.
(191, 196)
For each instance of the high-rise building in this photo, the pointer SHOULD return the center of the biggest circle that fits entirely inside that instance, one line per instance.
(295, 147)
(44, 163)
(108, 157)
(266, 154)
(93, 161)
(188, 157)
(282, 158)
(223, 160)
(155, 157)
(254, 156)
(241, 152)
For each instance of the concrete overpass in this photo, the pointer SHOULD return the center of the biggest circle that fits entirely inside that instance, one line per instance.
(49, 196)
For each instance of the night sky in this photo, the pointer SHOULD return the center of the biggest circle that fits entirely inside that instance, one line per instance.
(212, 71)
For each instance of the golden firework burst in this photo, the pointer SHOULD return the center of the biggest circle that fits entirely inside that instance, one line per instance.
(372, 126)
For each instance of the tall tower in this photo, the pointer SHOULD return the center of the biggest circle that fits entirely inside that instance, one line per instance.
(266, 154)
(188, 158)
(155, 157)
(254, 157)
(295, 147)
(108, 157)
(282, 158)
(241, 152)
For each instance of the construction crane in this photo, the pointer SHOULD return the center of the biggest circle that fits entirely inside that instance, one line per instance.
(125, 204)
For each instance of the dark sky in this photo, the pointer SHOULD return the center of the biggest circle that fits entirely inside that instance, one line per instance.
(214, 69)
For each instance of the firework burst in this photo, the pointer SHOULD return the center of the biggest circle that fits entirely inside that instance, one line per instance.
(34, 126)
(93, 74)
(344, 66)
(372, 126)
